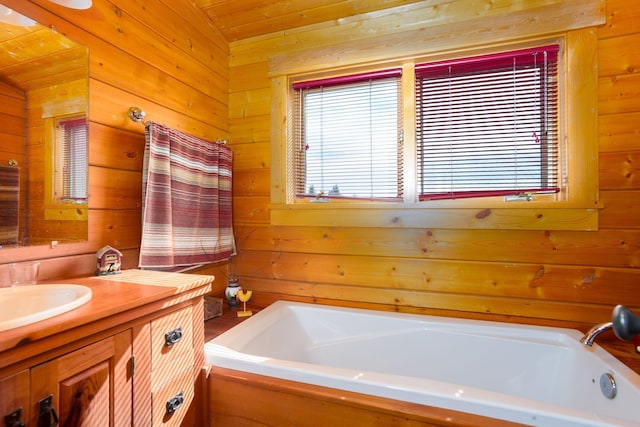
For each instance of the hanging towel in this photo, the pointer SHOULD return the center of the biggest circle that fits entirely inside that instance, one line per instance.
(186, 194)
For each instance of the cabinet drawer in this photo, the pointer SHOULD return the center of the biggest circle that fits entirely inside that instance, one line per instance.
(172, 346)
(171, 403)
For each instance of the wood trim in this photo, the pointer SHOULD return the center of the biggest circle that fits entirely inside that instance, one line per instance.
(574, 208)
(242, 399)
(446, 27)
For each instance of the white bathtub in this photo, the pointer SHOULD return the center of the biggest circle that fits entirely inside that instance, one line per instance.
(532, 375)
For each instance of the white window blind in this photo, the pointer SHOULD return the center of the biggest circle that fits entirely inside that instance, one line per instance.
(347, 136)
(71, 160)
(488, 125)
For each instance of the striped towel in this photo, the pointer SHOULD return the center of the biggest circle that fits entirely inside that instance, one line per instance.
(186, 212)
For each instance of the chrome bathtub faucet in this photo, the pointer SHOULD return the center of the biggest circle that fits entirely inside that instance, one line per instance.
(624, 324)
(591, 335)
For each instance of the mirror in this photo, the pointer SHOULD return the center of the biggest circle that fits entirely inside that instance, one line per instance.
(44, 92)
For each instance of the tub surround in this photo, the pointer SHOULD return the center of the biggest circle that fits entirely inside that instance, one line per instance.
(273, 402)
(524, 374)
(144, 330)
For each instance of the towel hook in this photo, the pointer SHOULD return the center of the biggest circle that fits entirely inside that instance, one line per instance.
(137, 115)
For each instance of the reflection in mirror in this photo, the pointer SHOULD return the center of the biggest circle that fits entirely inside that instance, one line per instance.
(44, 85)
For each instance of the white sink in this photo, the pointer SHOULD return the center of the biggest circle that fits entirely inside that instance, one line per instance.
(22, 305)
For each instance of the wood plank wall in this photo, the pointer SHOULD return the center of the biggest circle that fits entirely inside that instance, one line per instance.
(560, 278)
(162, 56)
(40, 229)
(13, 115)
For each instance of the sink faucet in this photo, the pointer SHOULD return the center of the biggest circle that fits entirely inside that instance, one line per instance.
(624, 323)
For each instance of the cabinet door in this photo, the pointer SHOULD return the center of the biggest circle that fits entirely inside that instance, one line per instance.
(88, 387)
(14, 399)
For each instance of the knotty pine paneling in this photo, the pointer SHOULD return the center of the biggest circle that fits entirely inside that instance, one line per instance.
(619, 93)
(526, 281)
(618, 205)
(121, 227)
(239, 20)
(622, 19)
(613, 248)
(250, 128)
(12, 146)
(545, 277)
(13, 116)
(619, 132)
(115, 148)
(167, 59)
(251, 182)
(620, 171)
(162, 56)
(251, 209)
(614, 59)
(111, 188)
(72, 99)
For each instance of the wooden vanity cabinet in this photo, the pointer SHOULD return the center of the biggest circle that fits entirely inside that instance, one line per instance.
(87, 387)
(140, 372)
(14, 399)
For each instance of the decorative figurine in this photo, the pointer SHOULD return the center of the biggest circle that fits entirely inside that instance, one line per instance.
(244, 296)
(109, 261)
(231, 292)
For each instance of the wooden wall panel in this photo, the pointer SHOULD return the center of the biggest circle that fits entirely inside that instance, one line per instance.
(40, 99)
(165, 57)
(13, 116)
(620, 246)
(620, 171)
(545, 277)
(619, 132)
(115, 148)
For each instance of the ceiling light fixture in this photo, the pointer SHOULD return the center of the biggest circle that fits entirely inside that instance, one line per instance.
(10, 16)
(73, 4)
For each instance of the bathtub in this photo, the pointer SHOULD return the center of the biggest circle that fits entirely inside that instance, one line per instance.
(531, 375)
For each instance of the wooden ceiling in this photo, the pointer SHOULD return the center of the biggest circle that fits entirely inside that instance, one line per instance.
(31, 57)
(241, 19)
(34, 57)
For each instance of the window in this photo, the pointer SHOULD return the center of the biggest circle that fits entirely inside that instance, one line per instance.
(557, 142)
(488, 125)
(71, 160)
(347, 135)
(66, 168)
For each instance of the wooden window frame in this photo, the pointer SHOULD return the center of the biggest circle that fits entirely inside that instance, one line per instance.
(55, 205)
(574, 208)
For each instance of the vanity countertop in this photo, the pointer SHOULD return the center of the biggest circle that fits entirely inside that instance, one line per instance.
(117, 299)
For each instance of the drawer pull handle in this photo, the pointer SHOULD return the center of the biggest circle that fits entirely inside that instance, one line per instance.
(47, 416)
(172, 337)
(14, 419)
(175, 403)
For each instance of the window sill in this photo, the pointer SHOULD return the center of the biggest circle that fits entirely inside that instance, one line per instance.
(65, 212)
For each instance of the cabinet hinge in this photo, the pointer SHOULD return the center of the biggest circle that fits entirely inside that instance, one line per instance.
(132, 365)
